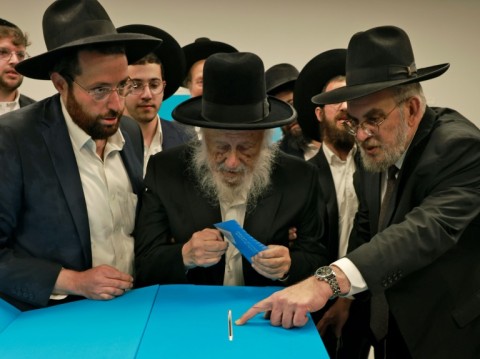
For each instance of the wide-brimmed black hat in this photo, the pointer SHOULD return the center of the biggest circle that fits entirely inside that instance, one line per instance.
(234, 96)
(377, 59)
(70, 24)
(312, 80)
(170, 54)
(280, 77)
(201, 49)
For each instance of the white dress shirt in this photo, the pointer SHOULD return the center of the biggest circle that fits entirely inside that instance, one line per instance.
(342, 173)
(155, 146)
(233, 258)
(109, 197)
(9, 106)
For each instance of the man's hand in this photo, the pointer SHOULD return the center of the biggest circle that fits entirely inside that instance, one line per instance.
(289, 307)
(204, 249)
(273, 262)
(101, 283)
(335, 317)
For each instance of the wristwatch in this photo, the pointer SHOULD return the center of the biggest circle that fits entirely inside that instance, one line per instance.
(328, 275)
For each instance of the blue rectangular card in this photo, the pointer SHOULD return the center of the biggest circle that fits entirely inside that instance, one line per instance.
(245, 243)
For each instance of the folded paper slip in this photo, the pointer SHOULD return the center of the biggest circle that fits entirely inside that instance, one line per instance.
(245, 243)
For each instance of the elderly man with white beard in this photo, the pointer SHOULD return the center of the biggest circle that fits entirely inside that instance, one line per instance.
(233, 172)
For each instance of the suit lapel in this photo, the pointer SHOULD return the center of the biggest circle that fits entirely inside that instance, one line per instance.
(57, 140)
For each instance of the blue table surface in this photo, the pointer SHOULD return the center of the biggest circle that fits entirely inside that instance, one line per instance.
(167, 321)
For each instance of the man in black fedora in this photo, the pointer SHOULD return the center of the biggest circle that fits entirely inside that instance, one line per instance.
(71, 165)
(414, 244)
(13, 49)
(155, 77)
(280, 81)
(231, 173)
(195, 55)
(337, 161)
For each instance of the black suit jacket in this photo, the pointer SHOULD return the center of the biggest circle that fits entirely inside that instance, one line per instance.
(327, 187)
(174, 134)
(427, 260)
(174, 208)
(43, 215)
(25, 101)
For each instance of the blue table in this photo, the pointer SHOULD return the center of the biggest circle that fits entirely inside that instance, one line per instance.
(168, 321)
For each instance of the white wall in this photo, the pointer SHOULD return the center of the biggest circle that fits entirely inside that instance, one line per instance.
(295, 31)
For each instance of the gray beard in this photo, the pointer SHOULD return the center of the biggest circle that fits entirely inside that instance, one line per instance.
(391, 155)
(216, 190)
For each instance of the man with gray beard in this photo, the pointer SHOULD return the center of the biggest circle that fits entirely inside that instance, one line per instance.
(233, 172)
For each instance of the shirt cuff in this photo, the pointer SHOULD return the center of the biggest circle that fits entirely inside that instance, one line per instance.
(357, 283)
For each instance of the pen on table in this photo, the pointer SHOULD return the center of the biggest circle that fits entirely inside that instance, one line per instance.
(230, 326)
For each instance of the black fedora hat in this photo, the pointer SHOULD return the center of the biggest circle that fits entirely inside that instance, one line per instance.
(202, 48)
(377, 59)
(170, 54)
(280, 76)
(312, 80)
(70, 24)
(234, 96)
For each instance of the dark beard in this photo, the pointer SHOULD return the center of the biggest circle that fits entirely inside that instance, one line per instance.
(295, 141)
(339, 138)
(89, 124)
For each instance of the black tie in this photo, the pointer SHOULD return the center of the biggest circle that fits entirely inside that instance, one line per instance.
(379, 305)
(389, 190)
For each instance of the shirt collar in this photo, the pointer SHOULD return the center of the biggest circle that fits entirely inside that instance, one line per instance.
(8, 106)
(332, 158)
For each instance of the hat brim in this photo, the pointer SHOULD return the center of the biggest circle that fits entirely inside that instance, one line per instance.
(190, 113)
(310, 82)
(170, 54)
(353, 92)
(136, 46)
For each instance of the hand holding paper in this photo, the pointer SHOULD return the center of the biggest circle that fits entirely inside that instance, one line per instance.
(245, 243)
(272, 262)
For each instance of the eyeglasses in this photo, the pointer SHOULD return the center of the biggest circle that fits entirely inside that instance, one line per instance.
(370, 126)
(156, 87)
(6, 54)
(103, 92)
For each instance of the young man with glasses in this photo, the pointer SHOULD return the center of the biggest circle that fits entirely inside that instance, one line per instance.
(156, 77)
(13, 45)
(72, 165)
(414, 247)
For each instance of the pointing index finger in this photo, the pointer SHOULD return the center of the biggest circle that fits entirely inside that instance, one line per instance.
(262, 306)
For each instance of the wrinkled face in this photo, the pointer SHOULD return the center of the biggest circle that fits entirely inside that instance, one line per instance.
(390, 139)
(233, 154)
(99, 119)
(145, 105)
(10, 79)
(332, 118)
(195, 86)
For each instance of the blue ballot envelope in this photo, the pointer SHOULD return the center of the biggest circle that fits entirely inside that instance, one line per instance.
(245, 243)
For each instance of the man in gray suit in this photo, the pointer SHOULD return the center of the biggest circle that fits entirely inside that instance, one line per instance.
(414, 245)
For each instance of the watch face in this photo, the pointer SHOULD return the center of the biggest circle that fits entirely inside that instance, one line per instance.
(324, 271)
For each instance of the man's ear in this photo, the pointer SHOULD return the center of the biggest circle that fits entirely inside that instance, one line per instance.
(319, 113)
(59, 82)
(414, 113)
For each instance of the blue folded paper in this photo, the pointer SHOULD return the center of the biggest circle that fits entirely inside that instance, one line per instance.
(245, 243)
